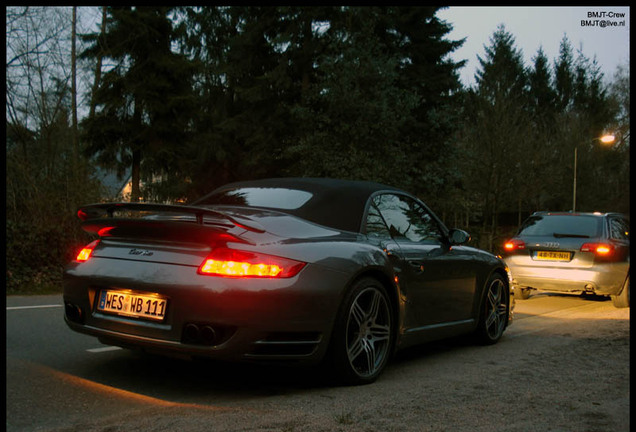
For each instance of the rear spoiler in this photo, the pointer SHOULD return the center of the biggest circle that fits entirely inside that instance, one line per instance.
(96, 211)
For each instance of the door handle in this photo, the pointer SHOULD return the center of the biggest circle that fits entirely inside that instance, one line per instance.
(418, 265)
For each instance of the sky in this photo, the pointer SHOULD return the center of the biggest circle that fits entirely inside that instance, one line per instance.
(604, 35)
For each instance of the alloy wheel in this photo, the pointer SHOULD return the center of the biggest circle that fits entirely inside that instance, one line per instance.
(368, 332)
(496, 309)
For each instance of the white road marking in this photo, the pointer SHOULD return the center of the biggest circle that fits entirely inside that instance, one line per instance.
(105, 349)
(94, 350)
(33, 307)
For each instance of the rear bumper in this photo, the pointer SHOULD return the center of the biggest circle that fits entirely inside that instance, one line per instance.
(605, 279)
(274, 319)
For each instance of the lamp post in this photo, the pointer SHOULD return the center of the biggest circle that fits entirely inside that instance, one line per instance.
(605, 139)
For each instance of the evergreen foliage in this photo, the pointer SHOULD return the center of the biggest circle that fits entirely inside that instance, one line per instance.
(144, 101)
(322, 91)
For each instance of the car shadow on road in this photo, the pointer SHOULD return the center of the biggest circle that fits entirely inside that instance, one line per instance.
(433, 349)
(181, 380)
(190, 381)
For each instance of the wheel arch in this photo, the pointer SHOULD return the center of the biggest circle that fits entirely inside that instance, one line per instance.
(369, 275)
(388, 281)
(392, 289)
(500, 271)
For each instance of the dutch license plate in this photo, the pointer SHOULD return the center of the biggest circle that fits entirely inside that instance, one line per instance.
(133, 304)
(553, 256)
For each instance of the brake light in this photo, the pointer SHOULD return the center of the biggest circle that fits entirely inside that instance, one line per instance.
(514, 244)
(87, 251)
(601, 249)
(105, 232)
(234, 263)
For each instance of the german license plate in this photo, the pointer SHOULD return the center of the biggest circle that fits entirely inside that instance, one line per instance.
(133, 304)
(553, 256)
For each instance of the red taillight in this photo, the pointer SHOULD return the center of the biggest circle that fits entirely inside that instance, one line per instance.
(235, 263)
(87, 251)
(600, 249)
(513, 245)
(104, 232)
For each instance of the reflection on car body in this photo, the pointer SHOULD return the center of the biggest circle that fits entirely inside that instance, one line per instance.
(571, 252)
(286, 270)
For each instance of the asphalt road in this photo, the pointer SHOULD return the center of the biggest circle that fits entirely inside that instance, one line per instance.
(562, 365)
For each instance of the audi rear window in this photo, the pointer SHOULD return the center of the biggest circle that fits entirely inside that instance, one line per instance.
(562, 226)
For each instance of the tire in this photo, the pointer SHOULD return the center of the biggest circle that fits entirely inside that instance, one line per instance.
(522, 293)
(494, 309)
(364, 334)
(622, 300)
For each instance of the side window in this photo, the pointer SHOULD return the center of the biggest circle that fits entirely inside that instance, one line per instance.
(375, 226)
(619, 229)
(407, 220)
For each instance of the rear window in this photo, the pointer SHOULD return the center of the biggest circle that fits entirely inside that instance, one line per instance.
(276, 198)
(562, 225)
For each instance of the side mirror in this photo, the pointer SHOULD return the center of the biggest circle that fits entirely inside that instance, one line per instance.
(458, 237)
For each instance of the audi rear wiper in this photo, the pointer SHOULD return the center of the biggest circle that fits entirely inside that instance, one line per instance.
(560, 235)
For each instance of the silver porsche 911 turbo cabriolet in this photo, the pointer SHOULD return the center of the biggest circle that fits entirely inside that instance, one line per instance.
(313, 271)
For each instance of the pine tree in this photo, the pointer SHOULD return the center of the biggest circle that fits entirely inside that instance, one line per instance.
(543, 149)
(353, 111)
(541, 91)
(143, 99)
(496, 132)
(338, 91)
(502, 73)
(254, 62)
(564, 75)
(384, 90)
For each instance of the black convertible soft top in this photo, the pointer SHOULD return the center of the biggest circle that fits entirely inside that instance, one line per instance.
(333, 203)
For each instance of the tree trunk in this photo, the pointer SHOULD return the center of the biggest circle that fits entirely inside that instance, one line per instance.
(136, 153)
(74, 96)
(136, 165)
(98, 68)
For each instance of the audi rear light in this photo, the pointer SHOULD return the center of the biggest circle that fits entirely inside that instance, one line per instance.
(87, 251)
(235, 263)
(600, 249)
(514, 244)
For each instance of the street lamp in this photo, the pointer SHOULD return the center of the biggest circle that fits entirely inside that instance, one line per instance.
(605, 139)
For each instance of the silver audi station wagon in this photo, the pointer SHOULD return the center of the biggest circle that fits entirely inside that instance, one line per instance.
(571, 253)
